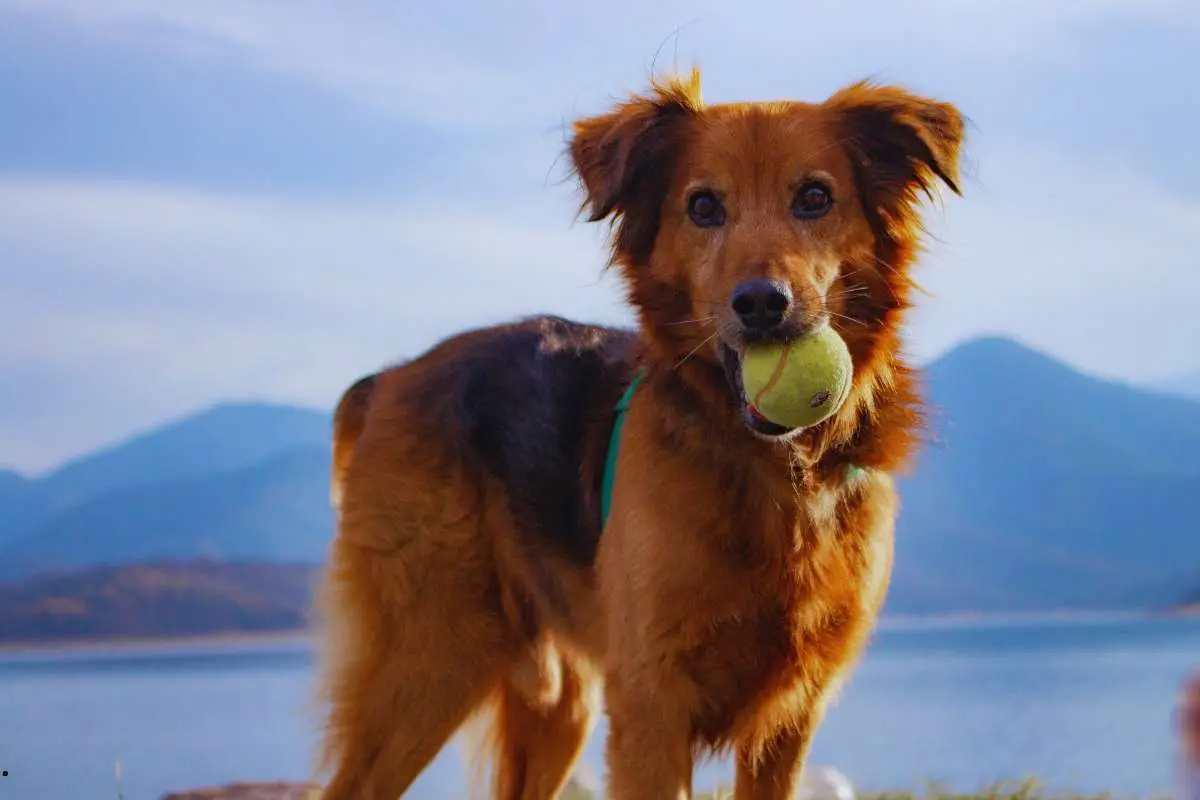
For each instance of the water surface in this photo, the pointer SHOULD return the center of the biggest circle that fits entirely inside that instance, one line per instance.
(1082, 705)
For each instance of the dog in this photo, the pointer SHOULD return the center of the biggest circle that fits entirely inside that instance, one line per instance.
(546, 519)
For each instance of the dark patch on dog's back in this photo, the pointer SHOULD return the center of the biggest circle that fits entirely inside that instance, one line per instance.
(534, 403)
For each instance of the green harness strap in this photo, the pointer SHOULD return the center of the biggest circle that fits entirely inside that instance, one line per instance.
(614, 445)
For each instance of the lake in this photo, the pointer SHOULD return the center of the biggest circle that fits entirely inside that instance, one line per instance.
(1083, 705)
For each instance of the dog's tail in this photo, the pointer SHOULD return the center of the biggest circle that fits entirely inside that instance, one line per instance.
(348, 420)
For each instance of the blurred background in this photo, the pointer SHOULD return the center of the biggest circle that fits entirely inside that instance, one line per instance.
(215, 215)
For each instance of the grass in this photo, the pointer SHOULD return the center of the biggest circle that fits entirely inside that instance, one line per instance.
(1013, 790)
(1029, 789)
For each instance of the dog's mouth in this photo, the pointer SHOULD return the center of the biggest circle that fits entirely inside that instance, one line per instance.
(732, 362)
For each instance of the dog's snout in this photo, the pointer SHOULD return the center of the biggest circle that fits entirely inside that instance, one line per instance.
(761, 304)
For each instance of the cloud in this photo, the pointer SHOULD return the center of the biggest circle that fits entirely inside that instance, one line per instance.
(228, 266)
(474, 64)
(373, 57)
(179, 297)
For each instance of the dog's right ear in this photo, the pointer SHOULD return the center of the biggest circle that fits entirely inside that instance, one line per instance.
(624, 159)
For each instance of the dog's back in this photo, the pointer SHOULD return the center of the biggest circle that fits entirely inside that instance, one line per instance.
(526, 403)
(348, 420)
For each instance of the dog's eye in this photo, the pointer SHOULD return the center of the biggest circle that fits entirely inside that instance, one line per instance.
(705, 209)
(811, 201)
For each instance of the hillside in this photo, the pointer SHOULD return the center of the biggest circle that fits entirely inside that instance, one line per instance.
(1047, 488)
(1043, 489)
(20, 503)
(1191, 597)
(162, 599)
(224, 438)
(12, 485)
(1184, 385)
(275, 510)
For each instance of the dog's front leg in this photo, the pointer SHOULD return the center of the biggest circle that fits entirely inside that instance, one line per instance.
(774, 772)
(649, 750)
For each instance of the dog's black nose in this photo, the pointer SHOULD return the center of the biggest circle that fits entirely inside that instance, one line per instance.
(761, 304)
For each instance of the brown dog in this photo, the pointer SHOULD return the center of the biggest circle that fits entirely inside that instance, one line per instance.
(742, 565)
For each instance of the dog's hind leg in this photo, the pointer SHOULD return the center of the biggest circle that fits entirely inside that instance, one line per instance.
(414, 642)
(544, 712)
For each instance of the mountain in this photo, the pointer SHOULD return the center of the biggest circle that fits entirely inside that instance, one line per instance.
(1046, 488)
(1183, 385)
(157, 599)
(219, 439)
(12, 485)
(222, 439)
(18, 500)
(276, 510)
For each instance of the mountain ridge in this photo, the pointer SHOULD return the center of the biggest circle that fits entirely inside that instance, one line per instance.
(218, 437)
(262, 511)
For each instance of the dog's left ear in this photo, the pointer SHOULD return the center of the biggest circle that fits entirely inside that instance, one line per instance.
(624, 159)
(900, 142)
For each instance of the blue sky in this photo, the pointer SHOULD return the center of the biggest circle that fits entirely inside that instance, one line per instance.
(220, 199)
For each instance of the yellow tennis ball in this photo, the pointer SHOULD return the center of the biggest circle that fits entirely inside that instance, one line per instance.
(799, 383)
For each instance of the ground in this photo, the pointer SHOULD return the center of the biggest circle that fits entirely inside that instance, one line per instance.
(1026, 790)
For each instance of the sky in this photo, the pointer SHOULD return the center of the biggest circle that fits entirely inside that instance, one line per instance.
(224, 200)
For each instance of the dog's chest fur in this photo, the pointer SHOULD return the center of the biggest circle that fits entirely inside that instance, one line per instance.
(804, 576)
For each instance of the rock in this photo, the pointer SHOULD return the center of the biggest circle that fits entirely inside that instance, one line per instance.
(824, 783)
(273, 790)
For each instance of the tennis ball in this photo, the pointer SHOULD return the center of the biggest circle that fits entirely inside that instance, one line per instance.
(798, 383)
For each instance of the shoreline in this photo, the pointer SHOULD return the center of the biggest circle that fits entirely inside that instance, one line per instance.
(999, 618)
(302, 637)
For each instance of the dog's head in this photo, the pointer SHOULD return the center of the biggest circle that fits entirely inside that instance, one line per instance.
(760, 221)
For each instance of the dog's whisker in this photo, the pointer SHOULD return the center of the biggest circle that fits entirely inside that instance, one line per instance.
(698, 320)
(846, 318)
(892, 269)
(853, 291)
(896, 273)
(695, 350)
(880, 262)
